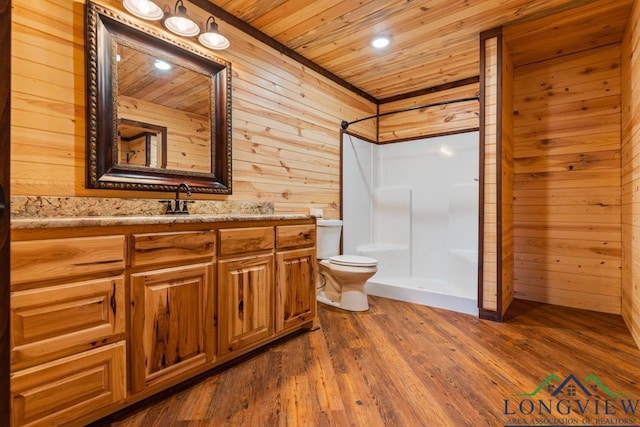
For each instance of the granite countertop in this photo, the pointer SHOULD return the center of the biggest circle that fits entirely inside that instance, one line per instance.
(31, 212)
(93, 221)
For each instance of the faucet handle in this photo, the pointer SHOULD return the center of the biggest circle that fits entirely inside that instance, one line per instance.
(185, 209)
(169, 209)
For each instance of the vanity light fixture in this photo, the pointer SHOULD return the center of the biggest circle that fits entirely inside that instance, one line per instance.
(212, 38)
(380, 42)
(180, 24)
(144, 9)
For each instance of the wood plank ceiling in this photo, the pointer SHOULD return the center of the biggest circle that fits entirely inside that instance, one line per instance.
(433, 42)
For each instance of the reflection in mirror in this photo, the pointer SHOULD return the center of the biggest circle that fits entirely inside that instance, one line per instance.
(142, 144)
(159, 109)
(156, 91)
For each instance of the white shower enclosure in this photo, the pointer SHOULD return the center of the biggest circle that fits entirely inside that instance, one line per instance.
(414, 207)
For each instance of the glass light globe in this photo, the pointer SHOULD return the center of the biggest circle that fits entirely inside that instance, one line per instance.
(182, 26)
(214, 40)
(144, 9)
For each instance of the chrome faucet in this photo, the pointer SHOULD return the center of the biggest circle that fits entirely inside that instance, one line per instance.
(177, 209)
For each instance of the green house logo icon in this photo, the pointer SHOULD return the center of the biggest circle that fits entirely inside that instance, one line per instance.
(571, 387)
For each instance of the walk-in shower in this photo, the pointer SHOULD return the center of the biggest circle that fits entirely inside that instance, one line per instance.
(414, 207)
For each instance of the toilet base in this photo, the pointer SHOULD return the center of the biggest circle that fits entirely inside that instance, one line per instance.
(350, 300)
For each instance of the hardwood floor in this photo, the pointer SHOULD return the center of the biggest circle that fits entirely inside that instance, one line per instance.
(401, 364)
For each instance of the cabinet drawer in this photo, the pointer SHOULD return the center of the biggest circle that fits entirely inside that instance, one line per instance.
(242, 240)
(290, 236)
(57, 393)
(38, 260)
(158, 248)
(56, 321)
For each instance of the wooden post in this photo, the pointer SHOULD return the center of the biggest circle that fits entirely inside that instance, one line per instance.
(5, 112)
(495, 237)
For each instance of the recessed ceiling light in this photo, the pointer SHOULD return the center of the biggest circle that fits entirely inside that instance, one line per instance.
(380, 42)
(162, 65)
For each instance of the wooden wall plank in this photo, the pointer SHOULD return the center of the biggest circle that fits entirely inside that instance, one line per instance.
(421, 122)
(631, 173)
(507, 173)
(286, 119)
(567, 201)
(569, 298)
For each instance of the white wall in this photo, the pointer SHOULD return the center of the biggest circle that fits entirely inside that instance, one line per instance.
(441, 175)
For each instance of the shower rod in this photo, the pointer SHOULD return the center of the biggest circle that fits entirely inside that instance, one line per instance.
(346, 124)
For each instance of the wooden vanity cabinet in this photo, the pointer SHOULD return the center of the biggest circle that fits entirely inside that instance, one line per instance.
(295, 288)
(171, 309)
(103, 317)
(68, 354)
(245, 308)
(296, 268)
(245, 287)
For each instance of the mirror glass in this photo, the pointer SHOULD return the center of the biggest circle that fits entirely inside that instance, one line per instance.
(141, 144)
(158, 109)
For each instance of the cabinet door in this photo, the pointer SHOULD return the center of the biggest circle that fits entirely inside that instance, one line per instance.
(245, 302)
(171, 323)
(59, 392)
(295, 288)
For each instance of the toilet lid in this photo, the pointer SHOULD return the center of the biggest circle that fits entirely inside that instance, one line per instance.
(353, 261)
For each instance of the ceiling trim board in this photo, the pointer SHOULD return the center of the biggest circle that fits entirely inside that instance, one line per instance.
(430, 90)
(429, 135)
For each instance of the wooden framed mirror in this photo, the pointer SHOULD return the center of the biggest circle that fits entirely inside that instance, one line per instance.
(158, 109)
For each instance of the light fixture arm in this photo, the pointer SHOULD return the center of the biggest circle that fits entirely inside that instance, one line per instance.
(211, 37)
(213, 26)
(180, 9)
(179, 23)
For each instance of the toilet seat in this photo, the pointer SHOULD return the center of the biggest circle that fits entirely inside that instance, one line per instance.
(353, 261)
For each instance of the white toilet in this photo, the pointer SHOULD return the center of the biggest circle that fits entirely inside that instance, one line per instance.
(341, 278)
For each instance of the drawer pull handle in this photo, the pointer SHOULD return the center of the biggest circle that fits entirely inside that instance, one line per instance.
(113, 300)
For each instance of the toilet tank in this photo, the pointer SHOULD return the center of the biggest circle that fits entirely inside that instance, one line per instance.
(328, 237)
